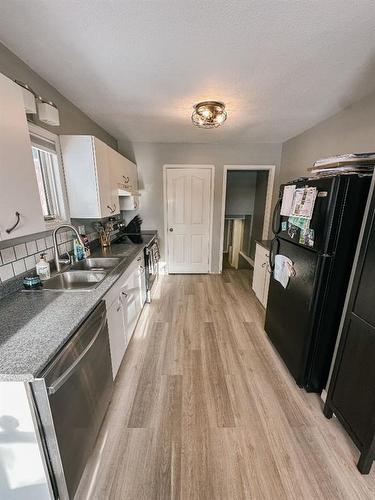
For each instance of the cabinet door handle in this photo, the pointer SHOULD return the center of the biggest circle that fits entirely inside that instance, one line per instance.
(10, 229)
(112, 209)
(124, 294)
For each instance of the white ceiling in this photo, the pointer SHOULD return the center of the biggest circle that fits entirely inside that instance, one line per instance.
(137, 67)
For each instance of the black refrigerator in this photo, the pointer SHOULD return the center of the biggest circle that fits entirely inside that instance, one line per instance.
(302, 319)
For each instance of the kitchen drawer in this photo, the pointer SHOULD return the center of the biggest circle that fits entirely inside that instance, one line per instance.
(114, 292)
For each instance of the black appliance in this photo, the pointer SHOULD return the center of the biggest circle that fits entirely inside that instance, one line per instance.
(351, 394)
(133, 230)
(302, 320)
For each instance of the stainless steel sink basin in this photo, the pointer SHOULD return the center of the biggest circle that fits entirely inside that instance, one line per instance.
(75, 281)
(96, 264)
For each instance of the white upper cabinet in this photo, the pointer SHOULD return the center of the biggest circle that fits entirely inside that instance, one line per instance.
(131, 176)
(87, 165)
(96, 176)
(19, 189)
(124, 174)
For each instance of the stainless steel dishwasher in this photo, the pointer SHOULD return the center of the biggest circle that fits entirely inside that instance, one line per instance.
(72, 395)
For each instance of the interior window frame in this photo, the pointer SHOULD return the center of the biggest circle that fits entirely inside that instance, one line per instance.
(46, 135)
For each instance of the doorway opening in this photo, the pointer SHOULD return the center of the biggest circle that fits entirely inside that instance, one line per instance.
(246, 208)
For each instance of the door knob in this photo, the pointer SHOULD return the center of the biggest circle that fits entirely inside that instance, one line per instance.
(171, 229)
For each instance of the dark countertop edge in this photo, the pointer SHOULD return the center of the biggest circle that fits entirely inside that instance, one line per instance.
(120, 270)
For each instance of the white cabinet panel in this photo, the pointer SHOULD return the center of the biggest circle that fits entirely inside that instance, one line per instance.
(19, 189)
(123, 172)
(261, 275)
(108, 198)
(129, 175)
(116, 172)
(116, 317)
(134, 300)
(24, 470)
(124, 303)
(88, 164)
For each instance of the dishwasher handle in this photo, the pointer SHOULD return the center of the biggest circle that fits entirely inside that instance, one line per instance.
(55, 386)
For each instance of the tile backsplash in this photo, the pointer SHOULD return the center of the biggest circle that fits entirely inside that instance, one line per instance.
(22, 257)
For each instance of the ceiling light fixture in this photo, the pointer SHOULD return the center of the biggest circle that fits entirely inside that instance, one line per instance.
(209, 114)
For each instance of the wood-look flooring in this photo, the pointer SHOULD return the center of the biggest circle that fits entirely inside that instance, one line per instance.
(203, 408)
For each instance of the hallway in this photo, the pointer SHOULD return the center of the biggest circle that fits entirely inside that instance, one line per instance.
(203, 408)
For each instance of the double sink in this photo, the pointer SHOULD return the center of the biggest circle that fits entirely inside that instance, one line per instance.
(83, 275)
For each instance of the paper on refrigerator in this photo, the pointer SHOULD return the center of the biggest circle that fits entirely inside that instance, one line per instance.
(288, 197)
(304, 202)
(283, 269)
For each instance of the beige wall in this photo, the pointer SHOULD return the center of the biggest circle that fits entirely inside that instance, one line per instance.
(72, 119)
(151, 157)
(351, 130)
(240, 193)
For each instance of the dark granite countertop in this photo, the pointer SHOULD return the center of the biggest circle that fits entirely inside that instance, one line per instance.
(35, 325)
(265, 243)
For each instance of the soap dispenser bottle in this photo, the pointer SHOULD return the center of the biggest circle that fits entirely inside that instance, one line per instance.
(43, 268)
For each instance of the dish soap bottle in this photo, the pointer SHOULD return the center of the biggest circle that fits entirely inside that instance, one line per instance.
(79, 251)
(86, 245)
(43, 268)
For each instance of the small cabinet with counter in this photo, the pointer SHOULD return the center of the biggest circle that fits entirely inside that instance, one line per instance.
(261, 276)
(58, 387)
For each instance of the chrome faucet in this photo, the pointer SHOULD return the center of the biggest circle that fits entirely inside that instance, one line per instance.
(58, 259)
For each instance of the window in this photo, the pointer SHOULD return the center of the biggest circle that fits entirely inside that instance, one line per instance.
(49, 175)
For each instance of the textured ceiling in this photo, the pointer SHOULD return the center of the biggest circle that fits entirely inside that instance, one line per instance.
(137, 67)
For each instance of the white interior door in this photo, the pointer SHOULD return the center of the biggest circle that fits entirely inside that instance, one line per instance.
(188, 219)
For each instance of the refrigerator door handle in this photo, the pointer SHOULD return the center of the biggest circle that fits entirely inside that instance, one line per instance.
(272, 253)
(276, 222)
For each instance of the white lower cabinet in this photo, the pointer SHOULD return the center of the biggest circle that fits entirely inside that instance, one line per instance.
(135, 287)
(124, 302)
(261, 275)
(132, 303)
(116, 317)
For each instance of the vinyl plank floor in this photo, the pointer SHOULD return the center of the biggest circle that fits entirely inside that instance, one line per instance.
(204, 408)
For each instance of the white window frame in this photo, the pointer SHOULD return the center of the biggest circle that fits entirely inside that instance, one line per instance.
(63, 197)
